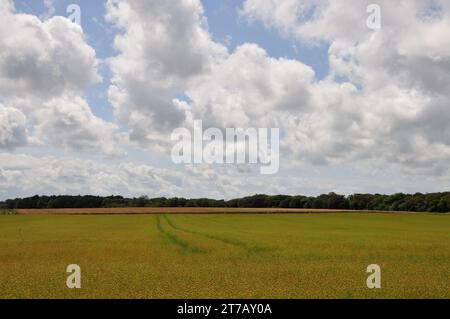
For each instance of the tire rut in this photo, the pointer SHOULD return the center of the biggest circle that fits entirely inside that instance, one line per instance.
(175, 240)
(250, 249)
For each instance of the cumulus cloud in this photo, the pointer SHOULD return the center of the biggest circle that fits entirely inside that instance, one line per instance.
(165, 41)
(58, 175)
(394, 79)
(384, 106)
(25, 175)
(55, 175)
(45, 68)
(380, 98)
(249, 88)
(326, 20)
(162, 45)
(408, 50)
(177, 55)
(43, 58)
(13, 132)
(68, 122)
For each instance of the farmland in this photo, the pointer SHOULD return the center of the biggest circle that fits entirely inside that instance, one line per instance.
(171, 210)
(247, 254)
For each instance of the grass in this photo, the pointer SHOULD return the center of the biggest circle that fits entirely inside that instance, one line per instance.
(174, 210)
(226, 256)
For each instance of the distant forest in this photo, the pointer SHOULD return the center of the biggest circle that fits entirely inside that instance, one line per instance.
(434, 202)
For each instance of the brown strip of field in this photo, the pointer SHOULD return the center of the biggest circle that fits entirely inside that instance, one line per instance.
(175, 210)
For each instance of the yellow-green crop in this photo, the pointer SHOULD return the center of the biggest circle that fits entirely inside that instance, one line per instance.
(226, 256)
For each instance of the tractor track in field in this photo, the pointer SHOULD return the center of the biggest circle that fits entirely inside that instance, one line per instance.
(177, 241)
(250, 249)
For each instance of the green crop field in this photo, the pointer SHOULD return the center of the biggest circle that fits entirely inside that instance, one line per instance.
(226, 256)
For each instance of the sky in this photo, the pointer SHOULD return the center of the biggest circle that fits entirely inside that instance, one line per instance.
(89, 108)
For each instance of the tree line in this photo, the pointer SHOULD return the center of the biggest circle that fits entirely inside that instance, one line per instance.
(432, 202)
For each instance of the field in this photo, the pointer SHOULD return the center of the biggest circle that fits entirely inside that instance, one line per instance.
(224, 256)
(170, 210)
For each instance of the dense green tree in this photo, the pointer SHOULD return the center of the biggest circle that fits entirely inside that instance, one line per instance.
(434, 202)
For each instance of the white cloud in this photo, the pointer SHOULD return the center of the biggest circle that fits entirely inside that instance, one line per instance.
(45, 68)
(164, 42)
(411, 46)
(383, 108)
(68, 122)
(250, 88)
(43, 58)
(13, 132)
(53, 175)
(398, 79)
(161, 47)
(25, 175)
